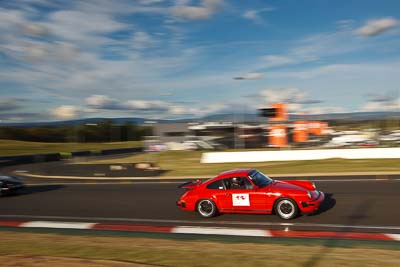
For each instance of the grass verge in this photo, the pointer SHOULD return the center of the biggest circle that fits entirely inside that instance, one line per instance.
(201, 252)
(187, 163)
(13, 147)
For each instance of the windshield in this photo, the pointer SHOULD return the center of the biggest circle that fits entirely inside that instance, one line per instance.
(260, 179)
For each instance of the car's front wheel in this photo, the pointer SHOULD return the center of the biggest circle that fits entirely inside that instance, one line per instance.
(206, 208)
(286, 209)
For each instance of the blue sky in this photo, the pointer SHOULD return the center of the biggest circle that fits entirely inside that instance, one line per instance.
(188, 58)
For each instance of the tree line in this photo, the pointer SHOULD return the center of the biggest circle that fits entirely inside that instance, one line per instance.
(104, 131)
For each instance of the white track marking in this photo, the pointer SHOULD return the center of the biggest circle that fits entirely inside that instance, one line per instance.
(220, 231)
(61, 225)
(311, 225)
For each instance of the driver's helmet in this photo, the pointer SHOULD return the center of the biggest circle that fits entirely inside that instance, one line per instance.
(236, 180)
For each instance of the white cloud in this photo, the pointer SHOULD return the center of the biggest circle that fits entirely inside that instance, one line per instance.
(377, 26)
(286, 95)
(76, 25)
(383, 97)
(278, 60)
(65, 51)
(206, 9)
(101, 102)
(250, 76)
(145, 105)
(388, 101)
(9, 104)
(147, 108)
(320, 110)
(121, 6)
(35, 30)
(255, 14)
(66, 112)
(378, 70)
(150, 2)
(295, 99)
(377, 106)
(318, 47)
(10, 18)
(252, 15)
(142, 40)
(97, 47)
(212, 108)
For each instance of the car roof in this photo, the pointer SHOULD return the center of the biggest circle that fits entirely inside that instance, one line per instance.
(236, 172)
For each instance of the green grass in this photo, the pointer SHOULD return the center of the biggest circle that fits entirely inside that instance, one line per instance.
(187, 163)
(198, 252)
(13, 147)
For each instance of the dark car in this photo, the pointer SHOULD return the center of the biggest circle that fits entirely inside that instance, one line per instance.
(10, 184)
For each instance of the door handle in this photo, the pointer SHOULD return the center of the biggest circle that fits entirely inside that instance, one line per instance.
(227, 194)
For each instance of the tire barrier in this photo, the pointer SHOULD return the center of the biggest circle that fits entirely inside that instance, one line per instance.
(26, 159)
(121, 150)
(36, 158)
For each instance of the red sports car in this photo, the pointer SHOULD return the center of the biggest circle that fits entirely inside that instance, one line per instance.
(250, 191)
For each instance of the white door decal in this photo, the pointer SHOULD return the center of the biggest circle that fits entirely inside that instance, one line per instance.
(240, 200)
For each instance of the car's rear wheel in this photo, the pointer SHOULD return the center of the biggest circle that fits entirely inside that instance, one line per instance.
(286, 209)
(206, 208)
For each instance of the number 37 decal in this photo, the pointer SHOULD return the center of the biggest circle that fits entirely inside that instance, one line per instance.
(240, 200)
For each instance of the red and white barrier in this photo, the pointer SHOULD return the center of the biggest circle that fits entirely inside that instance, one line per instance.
(198, 230)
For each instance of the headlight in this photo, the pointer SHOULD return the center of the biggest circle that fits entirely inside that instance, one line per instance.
(309, 194)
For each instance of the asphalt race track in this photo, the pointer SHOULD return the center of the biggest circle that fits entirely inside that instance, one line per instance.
(366, 205)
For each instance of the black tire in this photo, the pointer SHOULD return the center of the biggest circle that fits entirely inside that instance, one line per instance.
(206, 208)
(286, 209)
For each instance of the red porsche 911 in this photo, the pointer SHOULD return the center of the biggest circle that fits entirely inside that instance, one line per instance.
(250, 191)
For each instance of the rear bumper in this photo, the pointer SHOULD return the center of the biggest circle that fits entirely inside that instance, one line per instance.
(312, 205)
(181, 204)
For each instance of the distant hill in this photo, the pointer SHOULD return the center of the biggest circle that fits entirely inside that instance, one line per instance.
(219, 118)
(350, 116)
(75, 122)
(324, 117)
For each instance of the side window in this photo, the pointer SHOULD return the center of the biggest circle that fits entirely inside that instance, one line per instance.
(247, 183)
(237, 183)
(216, 185)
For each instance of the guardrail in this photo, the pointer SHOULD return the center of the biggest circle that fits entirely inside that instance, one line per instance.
(292, 155)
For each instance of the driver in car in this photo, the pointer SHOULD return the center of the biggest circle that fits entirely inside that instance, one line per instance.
(237, 183)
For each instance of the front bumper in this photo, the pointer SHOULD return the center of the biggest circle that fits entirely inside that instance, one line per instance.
(312, 205)
(12, 188)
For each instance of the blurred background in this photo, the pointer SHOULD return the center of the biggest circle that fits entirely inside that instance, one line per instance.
(100, 100)
(198, 75)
